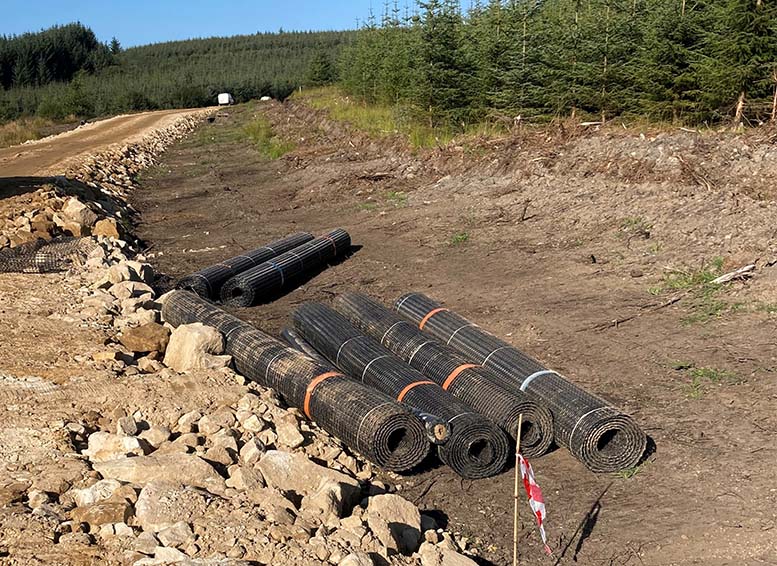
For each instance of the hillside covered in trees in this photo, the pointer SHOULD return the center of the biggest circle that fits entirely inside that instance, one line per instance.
(66, 71)
(501, 61)
(687, 61)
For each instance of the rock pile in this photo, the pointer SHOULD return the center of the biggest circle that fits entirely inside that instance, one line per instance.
(249, 482)
(246, 481)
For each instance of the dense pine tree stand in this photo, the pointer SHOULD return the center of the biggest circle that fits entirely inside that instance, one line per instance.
(664, 60)
(65, 70)
(503, 61)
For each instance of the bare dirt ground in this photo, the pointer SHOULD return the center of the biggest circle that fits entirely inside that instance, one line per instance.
(544, 238)
(53, 155)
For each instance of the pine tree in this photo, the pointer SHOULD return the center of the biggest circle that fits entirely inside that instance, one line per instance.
(742, 54)
(321, 71)
(444, 90)
(115, 46)
(517, 61)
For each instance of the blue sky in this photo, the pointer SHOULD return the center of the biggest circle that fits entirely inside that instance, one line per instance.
(137, 22)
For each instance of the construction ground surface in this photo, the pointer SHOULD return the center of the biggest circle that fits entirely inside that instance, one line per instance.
(591, 251)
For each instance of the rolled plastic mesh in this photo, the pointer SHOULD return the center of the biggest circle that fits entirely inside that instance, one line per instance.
(598, 434)
(476, 448)
(258, 283)
(469, 383)
(41, 256)
(293, 339)
(367, 421)
(437, 430)
(207, 282)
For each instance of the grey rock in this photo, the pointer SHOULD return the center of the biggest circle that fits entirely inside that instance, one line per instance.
(170, 467)
(195, 346)
(395, 521)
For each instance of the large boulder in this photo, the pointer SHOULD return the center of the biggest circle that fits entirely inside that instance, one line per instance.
(100, 491)
(151, 337)
(195, 346)
(76, 211)
(432, 555)
(107, 227)
(104, 446)
(395, 521)
(296, 472)
(356, 559)
(161, 505)
(171, 467)
(102, 512)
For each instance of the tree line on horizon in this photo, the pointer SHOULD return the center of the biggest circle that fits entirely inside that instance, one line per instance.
(685, 61)
(87, 79)
(504, 61)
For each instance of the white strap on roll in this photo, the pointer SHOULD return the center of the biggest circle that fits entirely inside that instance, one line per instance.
(534, 376)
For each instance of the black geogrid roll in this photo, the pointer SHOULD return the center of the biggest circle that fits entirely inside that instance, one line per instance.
(207, 282)
(469, 383)
(293, 339)
(250, 287)
(437, 430)
(598, 434)
(366, 420)
(476, 448)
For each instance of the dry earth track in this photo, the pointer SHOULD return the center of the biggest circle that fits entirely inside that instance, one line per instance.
(53, 155)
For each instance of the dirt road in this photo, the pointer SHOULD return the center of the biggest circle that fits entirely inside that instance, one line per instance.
(52, 156)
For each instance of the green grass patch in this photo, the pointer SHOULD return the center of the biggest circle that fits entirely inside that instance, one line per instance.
(381, 120)
(680, 279)
(768, 308)
(636, 227)
(397, 198)
(261, 134)
(629, 473)
(459, 239)
(369, 206)
(701, 377)
(706, 303)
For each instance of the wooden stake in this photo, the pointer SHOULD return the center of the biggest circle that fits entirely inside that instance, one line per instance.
(517, 474)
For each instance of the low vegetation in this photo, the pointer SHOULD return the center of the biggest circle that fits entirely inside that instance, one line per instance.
(701, 377)
(261, 134)
(459, 239)
(25, 129)
(706, 303)
(629, 473)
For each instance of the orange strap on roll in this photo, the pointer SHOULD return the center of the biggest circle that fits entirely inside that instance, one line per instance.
(332, 241)
(312, 385)
(429, 315)
(407, 389)
(455, 373)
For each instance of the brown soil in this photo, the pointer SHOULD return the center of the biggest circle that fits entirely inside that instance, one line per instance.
(546, 251)
(52, 156)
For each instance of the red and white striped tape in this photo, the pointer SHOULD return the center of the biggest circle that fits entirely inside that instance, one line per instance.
(536, 501)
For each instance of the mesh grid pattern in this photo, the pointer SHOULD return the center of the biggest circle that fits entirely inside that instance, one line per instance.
(472, 385)
(41, 256)
(437, 430)
(364, 419)
(252, 286)
(207, 282)
(476, 448)
(598, 434)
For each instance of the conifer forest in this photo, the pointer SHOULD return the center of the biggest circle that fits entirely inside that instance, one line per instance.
(680, 61)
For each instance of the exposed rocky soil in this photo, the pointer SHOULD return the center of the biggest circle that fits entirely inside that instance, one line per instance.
(126, 443)
(544, 238)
